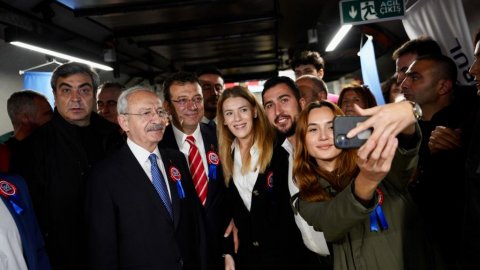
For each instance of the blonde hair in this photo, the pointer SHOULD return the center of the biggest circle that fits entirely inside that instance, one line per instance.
(305, 167)
(263, 134)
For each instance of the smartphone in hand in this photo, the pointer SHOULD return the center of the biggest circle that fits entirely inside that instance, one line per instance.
(342, 125)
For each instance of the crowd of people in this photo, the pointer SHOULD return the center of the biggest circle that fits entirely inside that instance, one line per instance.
(210, 178)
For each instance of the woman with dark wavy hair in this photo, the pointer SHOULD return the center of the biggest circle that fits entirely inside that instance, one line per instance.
(359, 201)
(355, 94)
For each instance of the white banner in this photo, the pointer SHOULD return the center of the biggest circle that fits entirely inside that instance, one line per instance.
(445, 22)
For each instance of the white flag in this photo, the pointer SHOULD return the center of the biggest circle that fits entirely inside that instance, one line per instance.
(445, 22)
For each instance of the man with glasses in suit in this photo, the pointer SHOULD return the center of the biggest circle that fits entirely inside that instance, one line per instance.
(183, 99)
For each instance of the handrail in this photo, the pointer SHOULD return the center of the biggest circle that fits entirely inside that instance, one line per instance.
(54, 61)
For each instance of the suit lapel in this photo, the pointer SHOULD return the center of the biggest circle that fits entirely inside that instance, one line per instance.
(134, 171)
(210, 144)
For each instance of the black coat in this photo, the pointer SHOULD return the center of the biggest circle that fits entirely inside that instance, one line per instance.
(269, 236)
(55, 161)
(129, 228)
(216, 215)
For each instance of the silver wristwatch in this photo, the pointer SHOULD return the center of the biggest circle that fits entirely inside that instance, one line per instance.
(417, 111)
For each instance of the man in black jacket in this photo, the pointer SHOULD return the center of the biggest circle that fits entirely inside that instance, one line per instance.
(57, 157)
(184, 101)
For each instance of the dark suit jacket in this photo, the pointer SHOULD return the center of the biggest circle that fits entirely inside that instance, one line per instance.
(269, 236)
(129, 228)
(217, 218)
(32, 241)
(55, 161)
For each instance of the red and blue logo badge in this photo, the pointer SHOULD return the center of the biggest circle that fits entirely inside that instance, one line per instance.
(7, 189)
(270, 180)
(177, 178)
(213, 158)
(9, 192)
(175, 173)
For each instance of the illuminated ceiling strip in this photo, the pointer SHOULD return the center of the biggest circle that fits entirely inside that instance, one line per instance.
(61, 55)
(338, 37)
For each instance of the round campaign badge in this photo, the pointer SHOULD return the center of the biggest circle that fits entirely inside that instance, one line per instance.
(380, 196)
(213, 158)
(7, 188)
(270, 180)
(175, 173)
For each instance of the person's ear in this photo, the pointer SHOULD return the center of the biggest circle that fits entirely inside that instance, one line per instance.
(444, 87)
(123, 122)
(303, 103)
(25, 119)
(167, 107)
(320, 73)
(322, 95)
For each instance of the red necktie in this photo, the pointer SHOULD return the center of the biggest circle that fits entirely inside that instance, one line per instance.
(197, 170)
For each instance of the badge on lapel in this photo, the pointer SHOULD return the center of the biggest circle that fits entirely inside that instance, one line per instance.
(378, 215)
(213, 161)
(176, 177)
(9, 192)
(269, 181)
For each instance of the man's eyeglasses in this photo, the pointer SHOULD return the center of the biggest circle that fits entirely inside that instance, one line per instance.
(197, 100)
(148, 115)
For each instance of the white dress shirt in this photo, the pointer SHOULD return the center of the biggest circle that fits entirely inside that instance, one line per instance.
(184, 146)
(11, 251)
(313, 240)
(142, 156)
(245, 182)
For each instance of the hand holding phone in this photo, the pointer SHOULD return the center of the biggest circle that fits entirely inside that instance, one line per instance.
(342, 125)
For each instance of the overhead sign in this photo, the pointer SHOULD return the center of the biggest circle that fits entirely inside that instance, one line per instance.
(371, 11)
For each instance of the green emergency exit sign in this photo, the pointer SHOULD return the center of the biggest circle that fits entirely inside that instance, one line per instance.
(370, 11)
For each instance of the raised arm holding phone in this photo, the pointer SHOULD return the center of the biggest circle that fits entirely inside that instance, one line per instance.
(359, 198)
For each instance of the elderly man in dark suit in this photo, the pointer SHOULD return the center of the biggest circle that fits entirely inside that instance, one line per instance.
(142, 207)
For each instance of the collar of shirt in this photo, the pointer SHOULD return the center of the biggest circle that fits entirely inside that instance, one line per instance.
(253, 149)
(245, 182)
(292, 187)
(180, 137)
(288, 147)
(141, 154)
(184, 146)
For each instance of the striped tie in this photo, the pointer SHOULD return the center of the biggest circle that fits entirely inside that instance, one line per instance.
(197, 170)
(160, 184)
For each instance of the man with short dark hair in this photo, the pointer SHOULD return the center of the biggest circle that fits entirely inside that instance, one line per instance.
(27, 110)
(409, 51)
(282, 103)
(212, 84)
(107, 97)
(430, 82)
(184, 101)
(57, 158)
(311, 63)
(308, 62)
